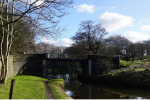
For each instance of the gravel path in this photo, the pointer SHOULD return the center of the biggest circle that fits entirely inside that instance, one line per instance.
(48, 91)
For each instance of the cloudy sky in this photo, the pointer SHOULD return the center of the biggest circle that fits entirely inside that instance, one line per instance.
(129, 18)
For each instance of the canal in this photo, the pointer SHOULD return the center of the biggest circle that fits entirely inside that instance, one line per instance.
(81, 90)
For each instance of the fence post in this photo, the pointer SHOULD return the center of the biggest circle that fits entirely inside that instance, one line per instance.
(12, 86)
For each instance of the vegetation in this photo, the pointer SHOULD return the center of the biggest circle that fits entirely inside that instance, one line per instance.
(135, 63)
(136, 77)
(90, 37)
(126, 64)
(27, 13)
(55, 86)
(18, 22)
(26, 87)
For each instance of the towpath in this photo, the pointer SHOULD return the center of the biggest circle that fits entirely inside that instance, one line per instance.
(48, 91)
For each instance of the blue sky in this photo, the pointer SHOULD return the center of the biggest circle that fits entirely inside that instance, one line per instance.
(129, 18)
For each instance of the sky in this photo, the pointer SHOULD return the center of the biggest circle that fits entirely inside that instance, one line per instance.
(128, 18)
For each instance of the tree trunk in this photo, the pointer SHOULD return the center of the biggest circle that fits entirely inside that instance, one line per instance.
(6, 69)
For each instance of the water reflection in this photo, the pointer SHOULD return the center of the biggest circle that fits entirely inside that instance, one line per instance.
(90, 91)
(139, 98)
(78, 90)
(69, 93)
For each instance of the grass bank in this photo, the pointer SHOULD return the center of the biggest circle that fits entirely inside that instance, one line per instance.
(138, 77)
(26, 87)
(135, 63)
(56, 86)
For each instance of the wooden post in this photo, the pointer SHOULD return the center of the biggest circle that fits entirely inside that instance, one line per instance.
(12, 89)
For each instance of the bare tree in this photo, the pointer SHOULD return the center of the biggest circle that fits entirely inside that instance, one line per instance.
(24, 38)
(119, 44)
(37, 13)
(52, 50)
(90, 36)
(6, 39)
(147, 48)
(139, 50)
(132, 51)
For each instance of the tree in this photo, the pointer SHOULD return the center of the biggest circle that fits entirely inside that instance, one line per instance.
(24, 40)
(52, 50)
(90, 36)
(119, 44)
(139, 50)
(131, 51)
(6, 39)
(147, 48)
(37, 13)
(73, 52)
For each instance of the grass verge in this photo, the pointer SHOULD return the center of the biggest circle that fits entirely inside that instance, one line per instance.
(138, 77)
(55, 86)
(26, 87)
(126, 64)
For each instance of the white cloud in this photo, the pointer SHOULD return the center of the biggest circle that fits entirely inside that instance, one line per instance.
(140, 21)
(136, 36)
(36, 3)
(145, 28)
(111, 7)
(65, 42)
(47, 40)
(39, 2)
(115, 21)
(98, 8)
(62, 42)
(86, 8)
(75, 7)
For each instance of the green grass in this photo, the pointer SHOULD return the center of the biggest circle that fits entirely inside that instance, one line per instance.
(124, 63)
(143, 58)
(127, 63)
(55, 86)
(139, 69)
(26, 87)
(128, 70)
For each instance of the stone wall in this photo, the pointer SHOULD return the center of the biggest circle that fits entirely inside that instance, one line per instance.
(10, 66)
(28, 68)
(29, 64)
(26, 64)
(17, 67)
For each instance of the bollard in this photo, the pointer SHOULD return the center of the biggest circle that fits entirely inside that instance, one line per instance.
(12, 89)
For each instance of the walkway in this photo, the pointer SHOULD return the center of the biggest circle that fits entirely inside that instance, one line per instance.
(48, 91)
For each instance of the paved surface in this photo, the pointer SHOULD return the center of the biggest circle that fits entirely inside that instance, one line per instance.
(48, 91)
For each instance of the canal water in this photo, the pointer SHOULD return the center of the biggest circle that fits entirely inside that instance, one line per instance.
(81, 90)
